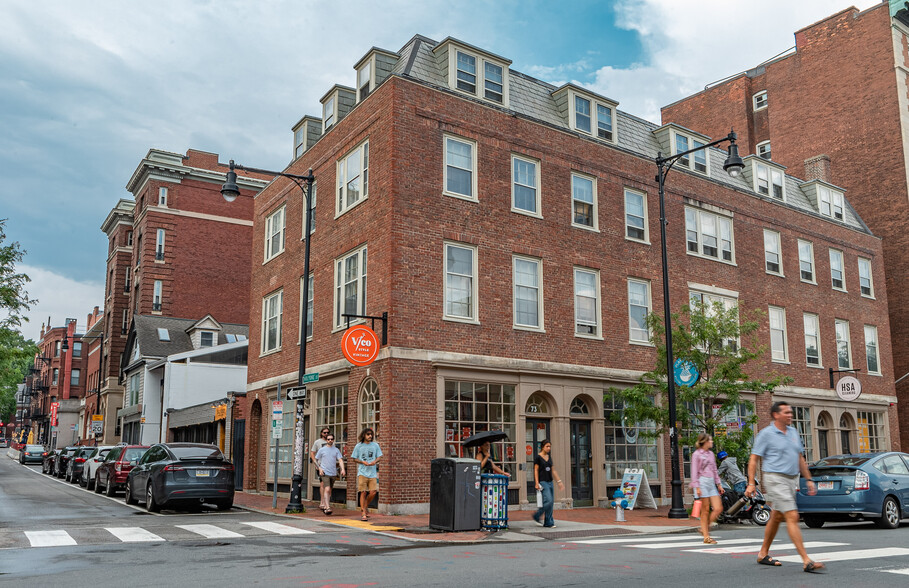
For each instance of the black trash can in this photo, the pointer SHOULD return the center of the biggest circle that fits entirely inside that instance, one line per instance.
(455, 498)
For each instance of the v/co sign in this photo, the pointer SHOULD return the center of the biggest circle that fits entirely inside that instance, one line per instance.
(360, 345)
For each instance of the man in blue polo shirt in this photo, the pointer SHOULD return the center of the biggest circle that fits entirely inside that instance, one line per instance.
(778, 453)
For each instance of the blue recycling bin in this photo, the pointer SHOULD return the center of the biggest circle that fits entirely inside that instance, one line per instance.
(495, 501)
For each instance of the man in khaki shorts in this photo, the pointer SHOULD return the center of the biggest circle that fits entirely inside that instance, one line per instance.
(778, 452)
(366, 455)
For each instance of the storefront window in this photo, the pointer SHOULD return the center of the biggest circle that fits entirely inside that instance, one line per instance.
(331, 412)
(473, 407)
(870, 432)
(625, 447)
(801, 420)
(285, 445)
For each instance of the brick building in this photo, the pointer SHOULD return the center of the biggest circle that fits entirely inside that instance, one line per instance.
(839, 103)
(59, 378)
(177, 249)
(92, 342)
(512, 235)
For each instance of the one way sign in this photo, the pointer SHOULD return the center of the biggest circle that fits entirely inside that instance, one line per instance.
(296, 393)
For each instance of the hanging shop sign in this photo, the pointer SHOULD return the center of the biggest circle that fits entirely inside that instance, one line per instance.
(360, 345)
(685, 373)
(848, 388)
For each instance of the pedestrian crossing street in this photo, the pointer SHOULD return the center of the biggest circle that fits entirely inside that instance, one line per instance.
(161, 533)
(820, 551)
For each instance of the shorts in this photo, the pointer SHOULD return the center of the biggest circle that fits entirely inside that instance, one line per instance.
(779, 490)
(707, 486)
(330, 480)
(365, 484)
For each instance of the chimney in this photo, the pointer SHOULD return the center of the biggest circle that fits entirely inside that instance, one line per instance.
(818, 168)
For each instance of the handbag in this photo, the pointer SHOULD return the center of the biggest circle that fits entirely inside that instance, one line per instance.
(696, 508)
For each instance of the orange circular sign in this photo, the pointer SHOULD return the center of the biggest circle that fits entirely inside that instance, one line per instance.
(360, 345)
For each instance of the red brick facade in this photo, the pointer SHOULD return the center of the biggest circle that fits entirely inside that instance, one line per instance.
(405, 222)
(842, 93)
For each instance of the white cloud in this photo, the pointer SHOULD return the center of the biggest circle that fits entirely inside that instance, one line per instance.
(690, 44)
(59, 298)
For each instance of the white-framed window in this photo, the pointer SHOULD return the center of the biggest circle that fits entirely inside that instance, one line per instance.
(156, 300)
(466, 72)
(127, 279)
(773, 260)
(493, 82)
(830, 202)
(353, 178)
(528, 292)
(801, 420)
(129, 238)
(779, 342)
(870, 431)
(525, 185)
(206, 339)
(370, 406)
(768, 181)
(478, 74)
(605, 122)
(272, 313)
(331, 412)
(837, 277)
(639, 306)
(299, 141)
(582, 114)
(709, 234)
(591, 117)
(134, 383)
(584, 201)
(587, 302)
(162, 196)
(871, 357)
(124, 325)
(812, 340)
(461, 282)
(763, 150)
(274, 232)
(866, 284)
(350, 286)
(843, 345)
(806, 261)
(364, 81)
(696, 161)
(159, 245)
(460, 168)
(710, 296)
(312, 215)
(308, 310)
(760, 100)
(328, 114)
(636, 223)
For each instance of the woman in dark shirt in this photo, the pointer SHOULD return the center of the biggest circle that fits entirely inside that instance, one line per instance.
(543, 474)
(486, 464)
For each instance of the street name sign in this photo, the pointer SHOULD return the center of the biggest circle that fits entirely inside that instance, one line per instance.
(296, 393)
(310, 378)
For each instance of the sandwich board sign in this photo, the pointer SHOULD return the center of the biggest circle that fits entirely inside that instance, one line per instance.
(636, 489)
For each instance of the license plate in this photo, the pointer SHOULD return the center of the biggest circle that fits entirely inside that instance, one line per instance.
(825, 485)
(202, 473)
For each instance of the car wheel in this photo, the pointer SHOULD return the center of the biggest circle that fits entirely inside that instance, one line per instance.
(82, 481)
(110, 489)
(890, 514)
(761, 516)
(813, 522)
(150, 503)
(96, 485)
(226, 505)
(128, 495)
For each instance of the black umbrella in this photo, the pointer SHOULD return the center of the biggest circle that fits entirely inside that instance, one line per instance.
(483, 437)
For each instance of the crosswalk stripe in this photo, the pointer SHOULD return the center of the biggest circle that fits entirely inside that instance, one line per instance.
(133, 534)
(278, 528)
(848, 555)
(210, 531)
(49, 538)
(904, 571)
(691, 544)
(680, 537)
(756, 548)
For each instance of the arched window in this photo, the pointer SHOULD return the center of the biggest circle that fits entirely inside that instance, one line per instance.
(578, 407)
(369, 406)
(537, 404)
(846, 433)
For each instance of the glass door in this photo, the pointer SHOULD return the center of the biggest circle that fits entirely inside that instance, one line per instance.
(581, 464)
(535, 430)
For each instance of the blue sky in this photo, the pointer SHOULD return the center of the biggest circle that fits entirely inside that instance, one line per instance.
(87, 87)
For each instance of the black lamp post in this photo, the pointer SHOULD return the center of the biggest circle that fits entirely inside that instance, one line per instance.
(230, 191)
(733, 166)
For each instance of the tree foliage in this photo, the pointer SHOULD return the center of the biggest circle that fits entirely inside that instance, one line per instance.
(16, 357)
(721, 344)
(14, 300)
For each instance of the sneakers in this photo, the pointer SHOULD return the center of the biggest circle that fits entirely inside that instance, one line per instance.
(550, 526)
(536, 519)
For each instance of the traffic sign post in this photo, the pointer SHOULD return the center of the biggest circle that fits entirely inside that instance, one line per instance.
(98, 424)
(297, 393)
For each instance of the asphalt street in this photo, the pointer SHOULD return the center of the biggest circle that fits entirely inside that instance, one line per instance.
(55, 534)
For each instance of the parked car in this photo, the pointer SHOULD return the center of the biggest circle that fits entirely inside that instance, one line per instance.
(4, 442)
(181, 474)
(863, 486)
(47, 466)
(74, 466)
(90, 466)
(111, 473)
(63, 459)
(32, 454)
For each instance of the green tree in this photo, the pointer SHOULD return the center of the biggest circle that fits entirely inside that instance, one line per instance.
(721, 343)
(16, 357)
(14, 300)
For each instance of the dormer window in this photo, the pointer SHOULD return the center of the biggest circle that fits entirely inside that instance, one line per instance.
(696, 161)
(830, 202)
(768, 181)
(364, 78)
(474, 71)
(206, 339)
(299, 142)
(494, 82)
(582, 114)
(760, 100)
(587, 113)
(763, 150)
(328, 113)
(604, 122)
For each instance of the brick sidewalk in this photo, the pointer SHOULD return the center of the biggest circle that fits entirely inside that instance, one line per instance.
(417, 526)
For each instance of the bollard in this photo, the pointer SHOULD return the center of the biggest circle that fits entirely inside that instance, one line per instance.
(620, 505)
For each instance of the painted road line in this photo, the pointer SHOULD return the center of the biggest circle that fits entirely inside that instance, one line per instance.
(756, 548)
(636, 539)
(133, 534)
(278, 528)
(364, 525)
(904, 571)
(209, 531)
(691, 544)
(848, 555)
(49, 538)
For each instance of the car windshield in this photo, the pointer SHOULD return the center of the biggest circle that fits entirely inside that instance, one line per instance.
(195, 452)
(34, 448)
(134, 453)
(843, 460)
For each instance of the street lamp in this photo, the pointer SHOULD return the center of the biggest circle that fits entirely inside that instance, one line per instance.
(733, 166)
(230, 191)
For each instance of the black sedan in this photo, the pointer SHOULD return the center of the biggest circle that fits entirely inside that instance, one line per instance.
(47, 466)
(62, 460)
(181, 474)
(32, 454)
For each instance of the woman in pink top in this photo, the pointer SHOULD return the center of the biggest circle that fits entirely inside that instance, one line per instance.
(706, 483)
